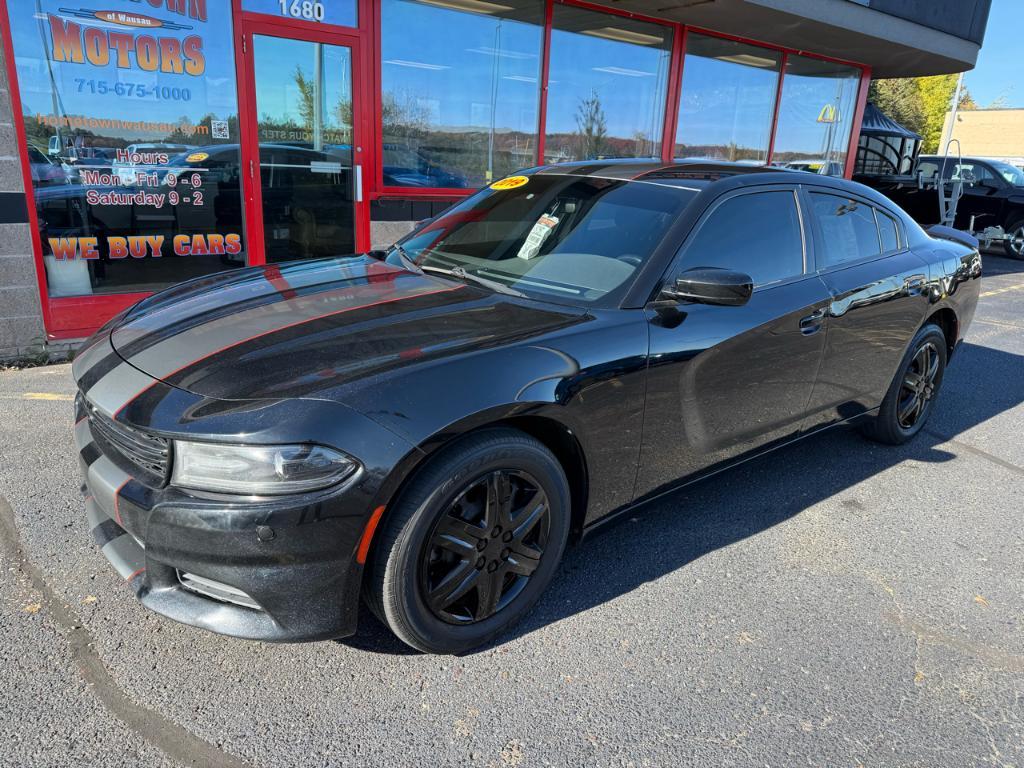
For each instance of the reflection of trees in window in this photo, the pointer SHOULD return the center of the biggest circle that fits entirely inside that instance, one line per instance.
(591, 128)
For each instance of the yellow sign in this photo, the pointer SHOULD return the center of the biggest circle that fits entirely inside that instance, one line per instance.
(828, 114)
(196, 157)
(510, 183)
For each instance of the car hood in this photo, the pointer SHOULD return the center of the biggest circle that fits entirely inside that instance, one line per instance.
(308, 329)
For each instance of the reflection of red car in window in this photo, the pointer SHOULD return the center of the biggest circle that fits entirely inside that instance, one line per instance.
(44, 171)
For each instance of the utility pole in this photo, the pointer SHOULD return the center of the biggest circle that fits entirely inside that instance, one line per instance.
(947, 135)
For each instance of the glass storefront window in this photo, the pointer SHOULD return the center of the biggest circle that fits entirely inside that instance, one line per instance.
(342, 12)
(460, 82)
(727, 100)
(131, 118)
(815, 115)
(607, 86)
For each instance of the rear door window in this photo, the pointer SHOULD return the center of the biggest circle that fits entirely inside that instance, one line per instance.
(848, 229)
(888, 231)
(758, 234)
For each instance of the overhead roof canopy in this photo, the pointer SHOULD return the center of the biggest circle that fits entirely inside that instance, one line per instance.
(851, 30)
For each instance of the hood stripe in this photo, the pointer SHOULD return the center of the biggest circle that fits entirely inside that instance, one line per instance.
(90, 355)
(119, 387)
(127, 382)
(214, 306)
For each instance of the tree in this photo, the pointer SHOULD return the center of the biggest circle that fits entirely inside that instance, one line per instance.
(920, 104)
(936, 96)
(307, 98)
(591, 128)
(966, 100)
(899, 99)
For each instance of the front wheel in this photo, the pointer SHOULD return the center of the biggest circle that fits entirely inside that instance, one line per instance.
(471, 543)
(911, 396)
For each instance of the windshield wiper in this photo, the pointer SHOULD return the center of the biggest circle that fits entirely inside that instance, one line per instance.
(408, 263)
(462, 274)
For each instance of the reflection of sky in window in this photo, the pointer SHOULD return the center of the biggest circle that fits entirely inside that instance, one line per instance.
(630, 81)
(451, 66)
(808, 87)
(727, 101)
(212, 92)
(277, 93)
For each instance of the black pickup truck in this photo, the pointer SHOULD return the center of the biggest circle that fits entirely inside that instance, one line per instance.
(993, 196)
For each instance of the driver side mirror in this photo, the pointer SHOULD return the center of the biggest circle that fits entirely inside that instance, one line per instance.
(709, 285)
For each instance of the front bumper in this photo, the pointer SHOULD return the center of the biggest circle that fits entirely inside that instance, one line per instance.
(300, 570)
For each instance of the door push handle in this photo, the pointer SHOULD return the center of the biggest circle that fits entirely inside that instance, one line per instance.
(914, 285)
(359, 184)
(812, 322)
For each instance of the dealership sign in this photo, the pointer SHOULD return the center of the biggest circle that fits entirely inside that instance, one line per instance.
(137, 136)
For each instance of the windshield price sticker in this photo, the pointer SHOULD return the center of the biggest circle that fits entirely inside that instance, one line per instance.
(512, 182)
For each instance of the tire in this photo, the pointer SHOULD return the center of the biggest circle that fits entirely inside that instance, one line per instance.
(1014, 247)
(446, 532)
(911, 396)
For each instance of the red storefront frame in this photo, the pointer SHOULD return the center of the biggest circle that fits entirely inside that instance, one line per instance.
(75, 317)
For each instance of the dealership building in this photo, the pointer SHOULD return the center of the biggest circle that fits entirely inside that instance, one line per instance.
(147, 142)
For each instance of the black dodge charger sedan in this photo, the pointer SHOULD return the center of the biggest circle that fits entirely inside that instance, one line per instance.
(428, 427)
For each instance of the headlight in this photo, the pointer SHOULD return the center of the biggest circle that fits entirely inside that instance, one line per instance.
(258, 469)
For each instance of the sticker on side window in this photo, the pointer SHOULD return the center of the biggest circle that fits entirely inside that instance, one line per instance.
(538, 234)
(512, 182)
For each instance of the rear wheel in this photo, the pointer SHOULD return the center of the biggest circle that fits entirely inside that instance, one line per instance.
(472, 542)
(911, 396)
(1014, 244)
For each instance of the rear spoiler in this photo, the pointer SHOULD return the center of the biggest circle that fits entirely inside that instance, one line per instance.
(956, 235)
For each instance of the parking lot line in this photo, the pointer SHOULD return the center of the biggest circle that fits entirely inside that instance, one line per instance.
(997, 291)
(39, 396)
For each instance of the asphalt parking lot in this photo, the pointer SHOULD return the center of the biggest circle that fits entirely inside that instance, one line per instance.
(837, 603)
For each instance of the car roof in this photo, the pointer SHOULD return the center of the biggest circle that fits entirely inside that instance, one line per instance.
(697, 175)
(960, 158)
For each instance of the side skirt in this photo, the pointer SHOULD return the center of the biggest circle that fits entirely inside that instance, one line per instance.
(613, 516)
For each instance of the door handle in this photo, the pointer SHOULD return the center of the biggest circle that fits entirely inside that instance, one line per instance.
(359, 184)
(914, 285)
(811, 324)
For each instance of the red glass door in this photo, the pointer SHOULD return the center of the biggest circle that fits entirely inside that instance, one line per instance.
(303, 148)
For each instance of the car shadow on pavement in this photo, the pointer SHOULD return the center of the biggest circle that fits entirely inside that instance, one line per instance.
(995, 263)
(665, 535)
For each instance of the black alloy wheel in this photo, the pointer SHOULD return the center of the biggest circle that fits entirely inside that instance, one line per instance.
(911, 396)
(471, 542)
(918, 386)
(485, 547)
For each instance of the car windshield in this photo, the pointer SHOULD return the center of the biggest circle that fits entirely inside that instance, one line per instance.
(1011, 173)
(563, 238)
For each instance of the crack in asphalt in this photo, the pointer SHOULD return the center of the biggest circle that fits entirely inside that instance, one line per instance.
(982, 454)
(167, 736)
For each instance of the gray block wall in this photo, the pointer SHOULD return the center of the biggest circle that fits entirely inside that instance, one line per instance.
(21, 320)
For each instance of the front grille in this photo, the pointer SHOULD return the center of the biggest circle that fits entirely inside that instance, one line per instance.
(216, 590)
(147, 452)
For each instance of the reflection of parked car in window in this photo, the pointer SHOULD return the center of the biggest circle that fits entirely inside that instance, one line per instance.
(830, 168)
(406, 167)
(993, 196)
(44, 171)
(97, 159)
(307, 196)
